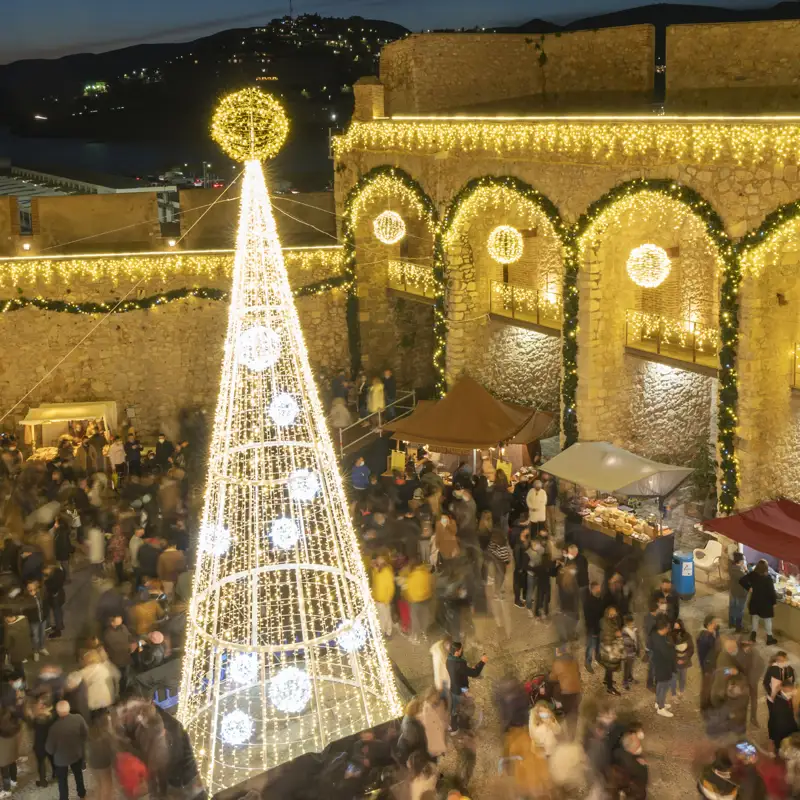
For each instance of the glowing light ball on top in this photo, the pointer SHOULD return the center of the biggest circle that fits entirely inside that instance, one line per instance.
(505, 244)
(648, 266)
(389, 227)
(250, 124)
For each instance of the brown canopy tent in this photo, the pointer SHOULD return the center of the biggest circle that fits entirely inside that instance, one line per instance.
(469, 418)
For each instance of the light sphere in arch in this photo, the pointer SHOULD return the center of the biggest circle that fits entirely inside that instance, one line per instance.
(290, 690)
(352, 637)
(250, 124)
(236, 728)
(505, 244)
(648, 266)
(389, 227)
(259, 348)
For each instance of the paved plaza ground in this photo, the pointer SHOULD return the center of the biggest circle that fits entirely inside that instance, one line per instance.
(525, 647)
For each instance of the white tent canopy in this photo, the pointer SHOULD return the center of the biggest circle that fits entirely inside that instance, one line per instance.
(65, 412)
(602, 466)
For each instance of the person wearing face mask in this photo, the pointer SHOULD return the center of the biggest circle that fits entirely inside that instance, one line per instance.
(537, 506)
(612, 650)
(544, 728)
(164, 451)
(629, 773)
(656, 609)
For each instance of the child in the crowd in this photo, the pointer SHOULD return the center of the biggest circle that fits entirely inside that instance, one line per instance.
(632, 644)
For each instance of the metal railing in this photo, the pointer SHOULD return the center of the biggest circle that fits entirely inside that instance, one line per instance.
(681, 339)
(526, 304)
(372, 424)
(416, 279)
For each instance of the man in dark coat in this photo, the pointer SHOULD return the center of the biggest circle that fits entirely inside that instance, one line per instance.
(164, 451)
(62, 544)
(55, 596)
(662, 653)
(762, 599)
(593, 610)
(148, 555)
(665, 593)
(707, 641)
(460, 673)
(389, 393)
(66, 744)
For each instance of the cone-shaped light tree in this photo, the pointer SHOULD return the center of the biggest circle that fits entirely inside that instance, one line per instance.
(283, 649)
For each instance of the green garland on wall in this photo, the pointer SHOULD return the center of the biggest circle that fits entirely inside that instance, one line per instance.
(407, 183)
(728, 312)
(144, 303)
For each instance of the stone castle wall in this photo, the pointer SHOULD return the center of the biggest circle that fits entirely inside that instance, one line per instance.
(428, 73)
(744, 66)
(653, 409)
(157, 361)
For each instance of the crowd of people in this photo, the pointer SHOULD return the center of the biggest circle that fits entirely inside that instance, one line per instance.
(442, 553)
(111, 507)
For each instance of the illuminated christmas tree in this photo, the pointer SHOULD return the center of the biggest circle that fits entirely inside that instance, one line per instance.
(283, 648)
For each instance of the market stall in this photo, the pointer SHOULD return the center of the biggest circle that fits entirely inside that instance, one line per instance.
(468, 422)
(51, 421)
(771, 531)
(607, 512)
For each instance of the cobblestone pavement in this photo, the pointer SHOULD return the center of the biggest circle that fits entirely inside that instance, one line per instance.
(523, 647)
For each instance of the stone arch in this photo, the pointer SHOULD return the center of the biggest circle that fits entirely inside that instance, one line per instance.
(768, 360)
(517, 358)
(368, 304)
(640, 403)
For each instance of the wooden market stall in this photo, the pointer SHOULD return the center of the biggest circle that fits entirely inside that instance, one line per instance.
(47, 423)
(604, 524)
(469, 420)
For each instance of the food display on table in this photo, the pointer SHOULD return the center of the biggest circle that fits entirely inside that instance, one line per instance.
(611, 519)
(787, 587)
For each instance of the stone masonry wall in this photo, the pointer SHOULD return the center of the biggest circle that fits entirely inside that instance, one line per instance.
(427, 73)
(157, 361)
(669, 411)
(743, 66)
(519, 365)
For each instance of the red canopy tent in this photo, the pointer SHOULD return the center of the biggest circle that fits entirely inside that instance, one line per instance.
(772, 528)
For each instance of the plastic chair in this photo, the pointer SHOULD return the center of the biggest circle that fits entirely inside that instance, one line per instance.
(709, 557)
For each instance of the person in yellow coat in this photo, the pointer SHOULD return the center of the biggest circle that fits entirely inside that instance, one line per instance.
(418, 592)
(382, 579)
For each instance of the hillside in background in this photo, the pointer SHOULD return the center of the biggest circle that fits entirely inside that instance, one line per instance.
(168, 89)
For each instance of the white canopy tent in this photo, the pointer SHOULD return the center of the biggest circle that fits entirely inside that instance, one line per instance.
(54, 413)
(602, 466)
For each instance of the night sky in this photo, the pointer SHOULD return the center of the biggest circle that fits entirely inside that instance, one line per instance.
(52, 28)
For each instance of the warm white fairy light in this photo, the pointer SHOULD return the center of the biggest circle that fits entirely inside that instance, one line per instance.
(303, 485)
(283, 409)
(389, 227)
(284, 533)
(290, 690)
(505, 244)
(258, 348)
(237, 728)
(252, 598)
(352, 637)
(648, 265)
(243, 668)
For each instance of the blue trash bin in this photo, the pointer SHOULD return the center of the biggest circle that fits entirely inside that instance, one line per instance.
(683, 574)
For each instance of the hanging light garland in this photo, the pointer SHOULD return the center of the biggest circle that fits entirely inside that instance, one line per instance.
(648, 265)
(389, 227)
(505, 244)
